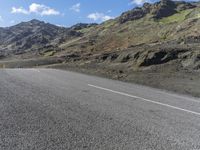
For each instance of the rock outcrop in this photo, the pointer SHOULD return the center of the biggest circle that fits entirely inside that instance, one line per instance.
(157, 10)
(33, 36)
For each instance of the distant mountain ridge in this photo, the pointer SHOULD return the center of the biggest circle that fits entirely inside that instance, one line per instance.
(158, 10)
(33, 36)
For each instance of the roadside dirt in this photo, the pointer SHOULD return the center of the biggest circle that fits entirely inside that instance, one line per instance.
(179, 81)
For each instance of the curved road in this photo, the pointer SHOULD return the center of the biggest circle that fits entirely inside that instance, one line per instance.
(46, 109)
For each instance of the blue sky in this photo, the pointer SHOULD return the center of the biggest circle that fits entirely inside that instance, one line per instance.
(63, 12)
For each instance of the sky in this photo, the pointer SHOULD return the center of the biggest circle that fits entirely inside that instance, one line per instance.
(63, 12)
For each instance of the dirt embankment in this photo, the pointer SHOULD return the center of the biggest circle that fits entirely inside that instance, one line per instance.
(174, 68)
(170, 68)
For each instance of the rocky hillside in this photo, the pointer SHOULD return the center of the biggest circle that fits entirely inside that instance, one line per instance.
(157, 45)
(152, 35)
(158, 10)
(142, 38)
(33, 37)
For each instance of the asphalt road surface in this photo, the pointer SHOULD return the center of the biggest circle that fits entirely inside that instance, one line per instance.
(46, 109)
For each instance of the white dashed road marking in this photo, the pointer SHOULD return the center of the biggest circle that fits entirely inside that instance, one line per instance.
(144, 99)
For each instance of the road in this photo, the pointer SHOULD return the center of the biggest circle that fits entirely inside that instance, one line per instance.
(47, 109)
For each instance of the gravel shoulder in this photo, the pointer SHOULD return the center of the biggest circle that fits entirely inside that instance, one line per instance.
(178, 81)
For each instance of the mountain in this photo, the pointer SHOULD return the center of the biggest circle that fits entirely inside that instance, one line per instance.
(158, 10)
(148, 35)
(80, 26)
(161, 38)
(33, 37)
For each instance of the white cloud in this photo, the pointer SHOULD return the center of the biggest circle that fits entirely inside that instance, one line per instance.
(42, 10)
(139, 2)
(76, 7)
(60, 25)
(37, 9)
(19, 10)
(99, 16)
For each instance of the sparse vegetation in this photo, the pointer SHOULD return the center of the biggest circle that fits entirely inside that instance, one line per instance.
(49, 53)
(178, 17)
(164, 39)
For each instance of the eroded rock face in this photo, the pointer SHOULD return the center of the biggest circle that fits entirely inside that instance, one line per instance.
(132, 15)
(159, 57)
(181, 5)
(80, 26)
(184, 56)
(191, 60)
(163, 8)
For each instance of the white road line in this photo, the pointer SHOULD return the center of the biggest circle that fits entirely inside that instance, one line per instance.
(144, 99)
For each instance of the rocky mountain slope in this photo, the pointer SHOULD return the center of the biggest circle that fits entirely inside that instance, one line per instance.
(155, 34)
(161, 38)
(33, 37)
